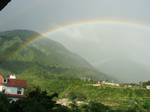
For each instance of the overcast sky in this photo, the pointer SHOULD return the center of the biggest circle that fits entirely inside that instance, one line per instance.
(118, 46)
(41, 15)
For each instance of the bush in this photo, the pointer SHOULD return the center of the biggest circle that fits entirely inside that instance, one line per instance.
(95, 107)
(76, 96)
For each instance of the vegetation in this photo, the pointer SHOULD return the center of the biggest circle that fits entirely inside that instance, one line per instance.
(39, 101)
(144, 84)
(36, 101)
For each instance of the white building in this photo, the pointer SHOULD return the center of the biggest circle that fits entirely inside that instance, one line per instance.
(11, 76)
(110, 83)
(148, 87)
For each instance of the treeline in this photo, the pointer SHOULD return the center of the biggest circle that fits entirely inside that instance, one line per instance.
(144, 84)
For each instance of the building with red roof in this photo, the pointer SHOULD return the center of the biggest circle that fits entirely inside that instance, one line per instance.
(16, 83)
(12, 87)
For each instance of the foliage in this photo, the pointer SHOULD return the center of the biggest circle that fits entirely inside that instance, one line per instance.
(76, 96)
(95, 107)
(38, 100)
(4, 103)
(144, 84)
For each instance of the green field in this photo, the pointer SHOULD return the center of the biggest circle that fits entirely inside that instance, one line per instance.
(117, 98)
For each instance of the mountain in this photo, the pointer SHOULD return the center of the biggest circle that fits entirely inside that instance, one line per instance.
(30, 55)
(123, 68)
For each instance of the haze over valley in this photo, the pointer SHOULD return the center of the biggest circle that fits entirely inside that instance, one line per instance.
(117, 49)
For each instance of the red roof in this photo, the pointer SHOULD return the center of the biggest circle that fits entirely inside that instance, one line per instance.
(17, 83)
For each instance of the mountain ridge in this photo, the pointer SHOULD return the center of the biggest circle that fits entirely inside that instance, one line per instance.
(21, 51)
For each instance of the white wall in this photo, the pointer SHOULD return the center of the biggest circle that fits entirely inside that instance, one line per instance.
(1, 88)
(13, 90)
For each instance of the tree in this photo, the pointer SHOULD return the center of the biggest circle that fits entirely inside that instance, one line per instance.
(36, 101)
(95, 107)
(4, 103)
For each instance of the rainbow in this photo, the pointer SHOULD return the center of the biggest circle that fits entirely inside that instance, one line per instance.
(56, 29)
(91, 22)
(135, 24)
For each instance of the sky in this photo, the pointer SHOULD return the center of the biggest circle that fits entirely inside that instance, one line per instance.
(41, 15)
(112, 35)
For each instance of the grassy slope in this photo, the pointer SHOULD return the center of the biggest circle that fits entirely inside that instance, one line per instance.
(116, 98)
(17, 56)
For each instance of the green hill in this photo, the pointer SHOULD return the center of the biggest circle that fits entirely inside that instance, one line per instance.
(30, 55)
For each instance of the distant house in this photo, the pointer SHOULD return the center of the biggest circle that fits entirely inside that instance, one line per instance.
(148, 87)
(101, 83)
(110, 83)
(126, 85)
(13, 88)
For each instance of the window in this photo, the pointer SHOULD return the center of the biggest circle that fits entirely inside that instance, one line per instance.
(3, 90)
(19, 91)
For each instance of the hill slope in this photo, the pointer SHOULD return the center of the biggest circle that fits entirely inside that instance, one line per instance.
(27, 53)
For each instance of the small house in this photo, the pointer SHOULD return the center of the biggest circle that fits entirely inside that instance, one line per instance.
(13, 88)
